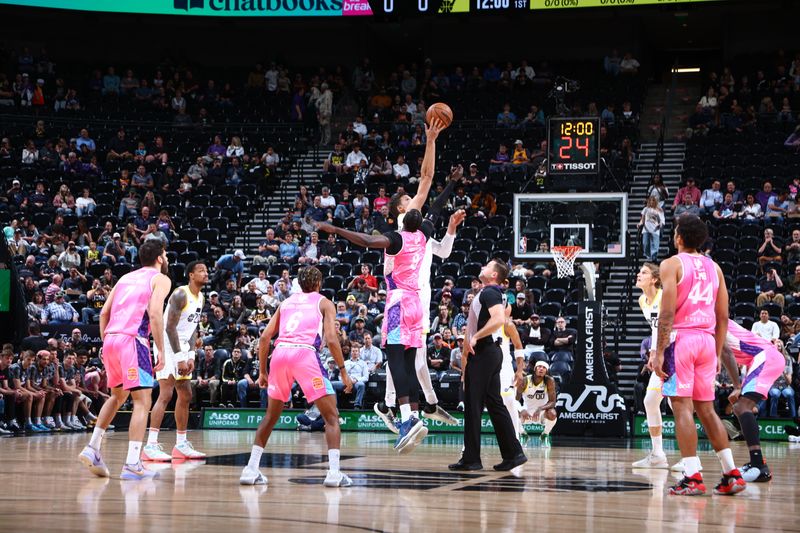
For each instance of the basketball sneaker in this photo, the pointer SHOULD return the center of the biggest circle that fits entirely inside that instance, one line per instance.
(185, 450)
(437, 413)
(93, 461)
(154, 452)
(678, 467)
(251, 476)
(731, 483)
(387, 417)
(689, 486)
(412, 432)
(544, 440)
(794, 438)
(653, 460)
(337, 479)
(755, 474)
(136, 472)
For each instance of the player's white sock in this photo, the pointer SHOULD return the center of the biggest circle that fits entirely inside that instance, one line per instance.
(333, 460)
(691, 466)
(134, 452)
(180, 438)
(255, 457)
(548, 425)
(152, 436)
(405, 412)
(97, 437)
(658, 446)
(90, 416)
(29, 421)
(726, 458)
(58, 420)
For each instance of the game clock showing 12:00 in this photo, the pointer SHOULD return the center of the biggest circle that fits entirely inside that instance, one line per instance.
(573, 146)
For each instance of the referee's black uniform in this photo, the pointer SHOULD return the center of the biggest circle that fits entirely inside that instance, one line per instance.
(482, 388)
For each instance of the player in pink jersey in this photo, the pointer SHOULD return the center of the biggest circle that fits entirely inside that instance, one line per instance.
(300, 323)
(134, 307)
(764, 365)
(693, 323)
(402, 317)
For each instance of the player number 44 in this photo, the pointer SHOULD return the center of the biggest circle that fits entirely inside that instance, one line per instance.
(702, 293)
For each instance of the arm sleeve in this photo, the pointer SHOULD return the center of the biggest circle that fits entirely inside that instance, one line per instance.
(444, 247)
(440, 201)
(395, 242)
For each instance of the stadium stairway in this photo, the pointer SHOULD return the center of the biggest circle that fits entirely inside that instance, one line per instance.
(615, 298)
(305, 171)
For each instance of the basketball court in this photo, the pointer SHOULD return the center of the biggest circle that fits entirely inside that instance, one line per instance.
(577, 485)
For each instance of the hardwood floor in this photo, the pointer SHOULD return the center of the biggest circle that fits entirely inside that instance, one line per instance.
(578, 485)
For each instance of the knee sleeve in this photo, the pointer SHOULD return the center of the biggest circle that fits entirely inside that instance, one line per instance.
(652, 406)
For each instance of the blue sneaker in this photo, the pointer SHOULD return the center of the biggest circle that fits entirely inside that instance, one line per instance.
(412, 433)
(137, 472)
(94, 461)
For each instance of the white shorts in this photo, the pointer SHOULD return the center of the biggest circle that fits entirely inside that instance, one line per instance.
(425, 302)
(170, 364)
(531, 406)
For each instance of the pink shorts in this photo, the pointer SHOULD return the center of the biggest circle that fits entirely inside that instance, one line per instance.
(127, 361)
(402, 321)
(690, 363)
(292, 362)
(765, 368)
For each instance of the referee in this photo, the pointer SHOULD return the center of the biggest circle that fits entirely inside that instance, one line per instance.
(482, 374)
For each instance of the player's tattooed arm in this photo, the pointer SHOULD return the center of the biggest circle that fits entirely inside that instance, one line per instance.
(552, 398)
(670, 272)
(176, 303)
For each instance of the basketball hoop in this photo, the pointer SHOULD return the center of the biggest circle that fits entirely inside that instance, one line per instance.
(565, 259)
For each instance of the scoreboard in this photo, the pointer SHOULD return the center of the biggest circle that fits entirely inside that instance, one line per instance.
(573, 146)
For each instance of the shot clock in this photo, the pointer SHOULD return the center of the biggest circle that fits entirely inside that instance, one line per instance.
(573, 146)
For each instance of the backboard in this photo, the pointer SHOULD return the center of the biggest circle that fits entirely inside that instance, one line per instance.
(598, 222)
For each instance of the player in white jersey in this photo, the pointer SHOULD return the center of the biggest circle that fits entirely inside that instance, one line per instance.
(510, 380)
(538, 394)
(183, 313)
(649, 282)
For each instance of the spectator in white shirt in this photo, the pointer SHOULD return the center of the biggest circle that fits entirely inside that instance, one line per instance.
(85, 204)
(358, 372)
(766, 328)
(327, 201)
(401, 170)
(360, 202)
(354, 158)
(525, 69)
(629, 65)
(235, 149)
(411, 107)
(711, 198)
(371, 354)
(271, 78)
(262, 283)
(709, 101)
(359, 126)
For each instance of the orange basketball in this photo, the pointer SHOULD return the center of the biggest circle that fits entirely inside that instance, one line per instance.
(440, 111)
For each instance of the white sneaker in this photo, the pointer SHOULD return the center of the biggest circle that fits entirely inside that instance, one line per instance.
(251, 476)
(185, 450)
(77, 426)
(92, 459)
(388, 419)
(678, 467)
(653, 461)
(337, 479)
(460, 406)
(794, 438)
(154, 452)
(441, 415)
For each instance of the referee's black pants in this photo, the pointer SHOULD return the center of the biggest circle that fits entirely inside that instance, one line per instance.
(482, 388)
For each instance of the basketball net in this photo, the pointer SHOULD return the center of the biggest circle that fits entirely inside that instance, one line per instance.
(565, 259)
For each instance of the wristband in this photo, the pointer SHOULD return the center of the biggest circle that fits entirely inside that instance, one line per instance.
(342, 367)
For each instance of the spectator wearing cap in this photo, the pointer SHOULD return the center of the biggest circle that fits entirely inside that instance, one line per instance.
(376, 305)
(59, 312)
(358, 331)
(460, 319)
(538, 336)
(520, 160)
(228, 266)
(114, 251)
(438, 354)
(521, 312)
(691, 189)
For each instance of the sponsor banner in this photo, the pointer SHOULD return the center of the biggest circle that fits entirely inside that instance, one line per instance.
(769, 429)
(349, 420)
(556, 4)
(210, 8)
(589, 403)
(90, 333)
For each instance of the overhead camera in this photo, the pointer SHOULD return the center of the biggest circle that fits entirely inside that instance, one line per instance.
(563, 86)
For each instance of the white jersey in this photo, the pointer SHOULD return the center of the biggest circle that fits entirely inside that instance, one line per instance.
(650, 311)
(187, 324)
(534, 396)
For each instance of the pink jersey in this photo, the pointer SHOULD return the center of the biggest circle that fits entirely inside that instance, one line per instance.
(301, 320)
(697, 294)
(131, 299)
(745, 344)
(406, 263)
